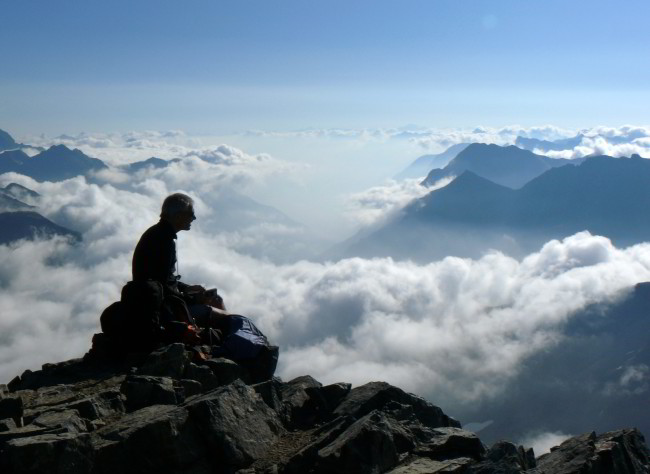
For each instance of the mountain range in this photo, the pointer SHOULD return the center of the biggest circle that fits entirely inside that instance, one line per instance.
(30, 225)
(603, 195)
(509, 166)
(57, 163)
(425, 163)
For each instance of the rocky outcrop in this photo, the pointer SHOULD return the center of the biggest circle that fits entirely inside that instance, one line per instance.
(167, 413)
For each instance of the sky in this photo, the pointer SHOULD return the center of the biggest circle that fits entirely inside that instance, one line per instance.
(311, 107)
(214, 67)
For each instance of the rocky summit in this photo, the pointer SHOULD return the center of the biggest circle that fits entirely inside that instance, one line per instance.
(168, 412)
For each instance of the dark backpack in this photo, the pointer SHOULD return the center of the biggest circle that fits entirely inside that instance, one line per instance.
(244, 343)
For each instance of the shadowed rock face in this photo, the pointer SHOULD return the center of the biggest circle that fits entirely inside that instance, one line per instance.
(162, 413)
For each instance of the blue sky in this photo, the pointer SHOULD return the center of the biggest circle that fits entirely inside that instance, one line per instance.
(217, 67)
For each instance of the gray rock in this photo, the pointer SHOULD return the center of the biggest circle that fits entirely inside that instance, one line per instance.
(191, 387)
(226, 370)
(235, 423)
(12, 407)
(142, 390)
(270, 393)
(431, 466)
(7, 424)
(614, 452)
(158, 438)
(449, 442)
(379, 395)
(64, 453)
(334, 393)
(202, 374)
(168, 361)
(64, 421)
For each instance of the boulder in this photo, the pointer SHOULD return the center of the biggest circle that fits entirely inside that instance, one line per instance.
(168, 361)
(431, 466)
(449, 442)
(12, 407)
(144, 390)
(225, 370)
(235, 424)
(61, 453)
(378, 395)
(615, 452)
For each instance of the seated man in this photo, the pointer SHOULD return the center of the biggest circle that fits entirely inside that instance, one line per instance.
(154, 258)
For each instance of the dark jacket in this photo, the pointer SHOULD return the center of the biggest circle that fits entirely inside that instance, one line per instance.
(154, 257)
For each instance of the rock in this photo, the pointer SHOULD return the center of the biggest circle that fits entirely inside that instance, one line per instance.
(334, 393)
(449, 442)
(168, 361)
(157, 438)
(7, 424)
(235, 423)
(142, 390)
(225, 370)
(505, 458)
(12, 407)
(377, 395)
(430, 466)
(615, 452)
(202, 374)
(270, 393)
(51, 453)
(191, 387)
(64, 421)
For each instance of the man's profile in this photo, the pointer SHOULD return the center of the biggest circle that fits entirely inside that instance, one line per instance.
(155, 258)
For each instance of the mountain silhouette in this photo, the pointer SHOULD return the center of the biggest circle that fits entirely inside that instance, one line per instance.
(509, 166)
(545, 145)
(425, 163)
(152, 162)
(6, 141)
(57, 163)
(17, 191)
(603, 195)
(30, 225)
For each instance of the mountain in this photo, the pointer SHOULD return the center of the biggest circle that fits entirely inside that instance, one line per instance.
(9, 203)
(169, 412)
(509, 166)
(152, 162)
(6, 141)
(17, 191)
(604, 195)
(545, 145)
(54, 164)
(596, 375)
(425, 163)
(29, 225)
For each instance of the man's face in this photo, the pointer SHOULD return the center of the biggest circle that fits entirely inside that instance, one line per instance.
(184, 219)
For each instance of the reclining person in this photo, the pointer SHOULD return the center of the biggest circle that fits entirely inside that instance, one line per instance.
(154, 258)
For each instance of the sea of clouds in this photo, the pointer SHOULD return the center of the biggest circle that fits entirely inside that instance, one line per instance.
(455, 331)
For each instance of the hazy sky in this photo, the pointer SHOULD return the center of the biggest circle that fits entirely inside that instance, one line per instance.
(213, 67)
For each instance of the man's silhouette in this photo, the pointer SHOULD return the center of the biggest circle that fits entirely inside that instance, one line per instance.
(154, 258)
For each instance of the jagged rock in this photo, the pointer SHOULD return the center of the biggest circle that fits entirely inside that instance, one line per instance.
(12, 407)
(236, 424)
(431, 466)
(55, 453)
(64, 421)
(270, 393)
(450, 442)
(616, 452)
(158, 438)
(168, 361)
(505, 458)
(191, 387)
(377, 395)
(7, 424)
(144, 390)
(202, 374)
(226, 370)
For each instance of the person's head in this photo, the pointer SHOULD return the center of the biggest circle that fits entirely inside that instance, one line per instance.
(178, 210)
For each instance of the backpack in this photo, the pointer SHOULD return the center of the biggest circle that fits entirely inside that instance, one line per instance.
(244, 343)
(145, 316)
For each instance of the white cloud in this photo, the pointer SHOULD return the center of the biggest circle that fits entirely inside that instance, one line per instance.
(379, 203)
(543, 442)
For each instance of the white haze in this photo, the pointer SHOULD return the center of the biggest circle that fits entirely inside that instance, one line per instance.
(455, 331)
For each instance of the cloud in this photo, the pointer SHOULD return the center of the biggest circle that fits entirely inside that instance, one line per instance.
(633, 380)
(543, 442)
(456, 331)
(378, 203)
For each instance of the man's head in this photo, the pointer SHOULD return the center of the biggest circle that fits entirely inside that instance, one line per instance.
(178, 210)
